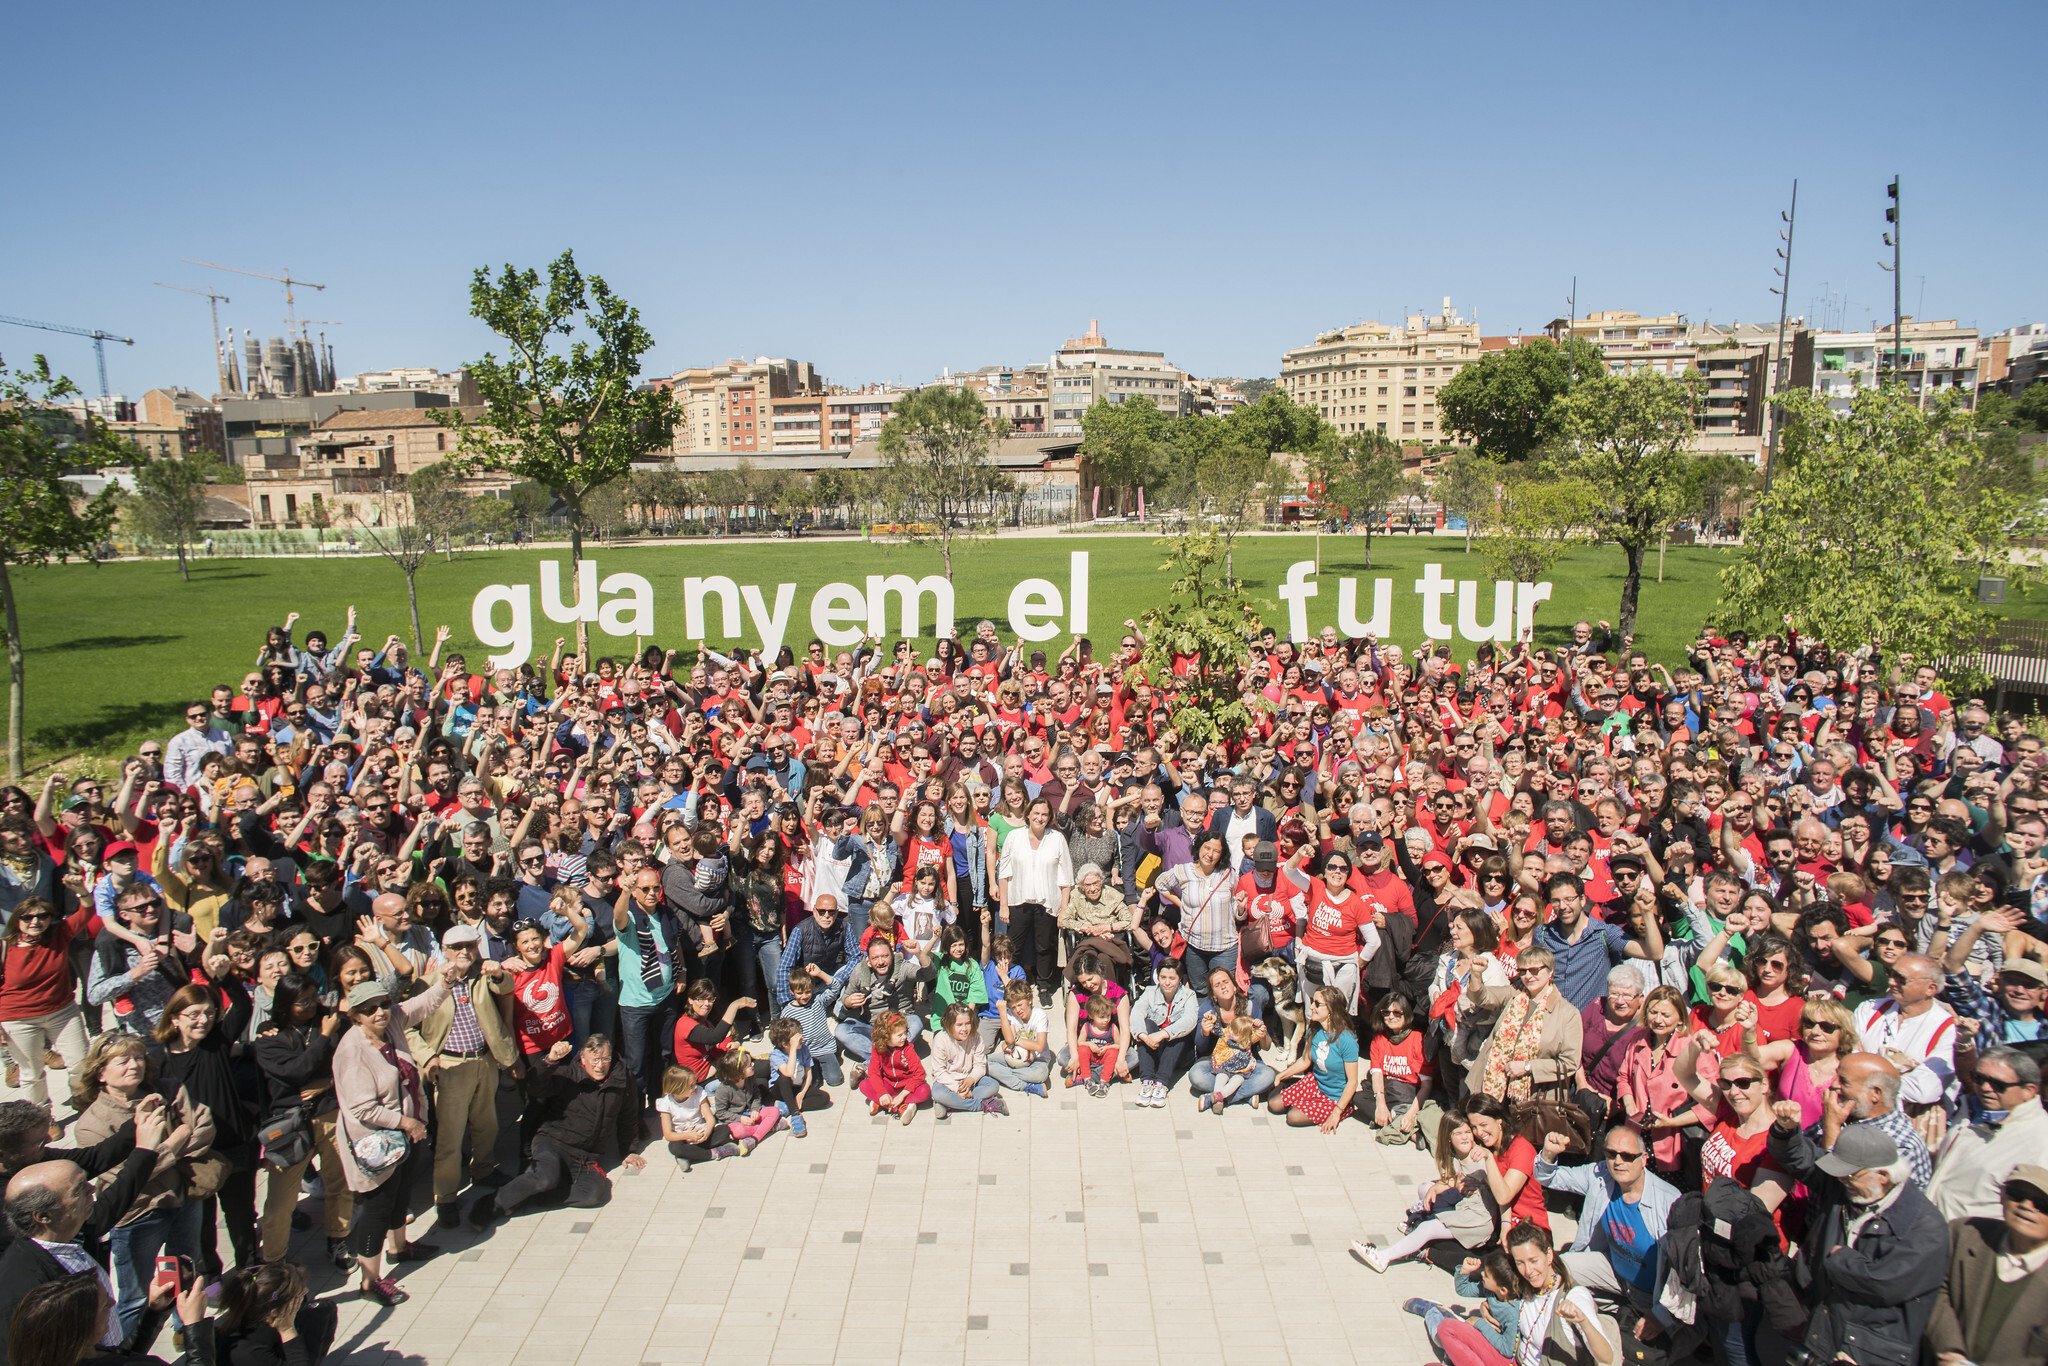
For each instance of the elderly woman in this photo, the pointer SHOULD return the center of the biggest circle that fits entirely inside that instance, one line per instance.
(1535, 1045)
(1099, 917)
(381, 1099)
(1226, 1006)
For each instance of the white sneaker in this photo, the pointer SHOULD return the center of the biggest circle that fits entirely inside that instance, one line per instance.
(1371, 1256)
(1158, 1094)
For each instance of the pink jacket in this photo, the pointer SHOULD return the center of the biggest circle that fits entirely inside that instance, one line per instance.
(1648, 1081)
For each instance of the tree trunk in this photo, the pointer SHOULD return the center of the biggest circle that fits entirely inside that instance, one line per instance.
(1468, 535)
(412, 596)
(946, 545)
(17, 679)
(184, 571)
(1631, 588)
(1368, 545)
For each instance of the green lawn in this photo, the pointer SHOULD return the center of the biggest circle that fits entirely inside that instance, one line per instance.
(114, 650)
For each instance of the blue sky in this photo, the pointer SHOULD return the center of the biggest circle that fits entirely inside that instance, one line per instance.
(886, 190)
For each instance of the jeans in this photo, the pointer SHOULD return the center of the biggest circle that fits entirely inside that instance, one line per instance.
(754, 957)
(828, 1068)
(555, 1165)
(1036, 1072)
(135, 1247)
(1200, 965)
(1258, 1081)
(647, 1039)
(593, 1005)
(1734, 1340)
(1163, 1064)
(858, 1037)
(948, 1099)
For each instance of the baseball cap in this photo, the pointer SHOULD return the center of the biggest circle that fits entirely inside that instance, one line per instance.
(1621, 861)
(462, 934)
(1371, 839)
(75, 803)
(1481, 841)
(1266, 855)
(1860, 1147)
(120, 847)
(2037, 1177)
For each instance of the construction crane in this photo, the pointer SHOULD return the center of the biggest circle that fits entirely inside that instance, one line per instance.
(213, 303)
(99, 341)
(285, 279)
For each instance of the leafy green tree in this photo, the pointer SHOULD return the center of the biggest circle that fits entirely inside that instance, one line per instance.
(43, 516)
(1361, 473)
(1125, 445)
(1466, 487)
(1529, 523)
(529, 499)
(169, 501)
(1869, 533)
(572, 420)
(492, 518)
(1631, 437)
(936, 471)
(400, 537)
(1718, 484)
(2030, 409)
(1206, 625)
(1507, 402)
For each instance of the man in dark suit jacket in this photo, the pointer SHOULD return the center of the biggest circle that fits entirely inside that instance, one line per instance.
(52, 1212)
(1245, 813)
(1994, 1307)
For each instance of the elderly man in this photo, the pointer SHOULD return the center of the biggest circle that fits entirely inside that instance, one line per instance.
(1866, 1091)
(587, 1101)
(1916, 1034)
(1627, 1211)
(2011, 1130)
(460, 1047)
(1996, 1299)
(1875, 1251)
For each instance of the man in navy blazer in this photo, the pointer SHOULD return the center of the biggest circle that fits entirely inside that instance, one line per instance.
(1243, 816)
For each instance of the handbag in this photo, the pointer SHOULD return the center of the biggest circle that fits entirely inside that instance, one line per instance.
(381, 1149)
(1255, 940)
(1533, 1119)
(204, 1176)
(287, 1140)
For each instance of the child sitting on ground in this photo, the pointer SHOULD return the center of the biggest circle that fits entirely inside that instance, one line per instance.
(1453, 1206)
(895, 1080)
(789, 1071)
(958, 978)
(1095, 1061)
(812, 991)
(1023, 1058)
(1237, 1053)
(998, 969)
(737, 1102)
(686, 1123)
(1493, 1278)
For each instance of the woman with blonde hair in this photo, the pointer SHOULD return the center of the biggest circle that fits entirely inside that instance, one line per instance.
(1805, 1067)
(1537, 1041)
(114, 1075)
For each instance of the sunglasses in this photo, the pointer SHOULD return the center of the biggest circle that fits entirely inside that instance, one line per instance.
(1613, 1156)
(1718, 989)
(1825, 1026)
(1739, 1083)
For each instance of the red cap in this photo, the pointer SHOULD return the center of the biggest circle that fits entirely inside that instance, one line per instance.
(118, 848)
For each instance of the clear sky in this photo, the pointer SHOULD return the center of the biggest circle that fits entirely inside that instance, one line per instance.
(888, 189)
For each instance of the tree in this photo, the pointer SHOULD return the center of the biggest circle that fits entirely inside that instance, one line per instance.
(1529, 523)
(438, 504)
(169, 501)
(1229, 466)
(572, 421)
(1361, 473)
(1466, 487)
(43, 516)
(1717, 484)
(1125, 444)
(1631, 438)
(1868, 533)
(935, 446)
(2030, 409)
(1202, 632)
(400, 538)
(1507, 402)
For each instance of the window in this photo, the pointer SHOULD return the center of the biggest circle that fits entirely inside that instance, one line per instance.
(440, 441)
(1408, 427)
(1383, 388)
(1408, 391)
(1409, 373)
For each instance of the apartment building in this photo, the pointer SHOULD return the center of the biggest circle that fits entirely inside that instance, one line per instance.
(457, 386)
(731, 407)
(1371, 377)
(2001, 350)
(1017, 397)
(1933, 357)
(1087, 369)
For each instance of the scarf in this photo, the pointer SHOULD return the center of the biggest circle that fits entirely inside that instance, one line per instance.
(654, 961)
(1514, 1040)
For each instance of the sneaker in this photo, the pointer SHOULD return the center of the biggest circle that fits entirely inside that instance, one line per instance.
(448, 1215)
(726, 1150)
(1371, 1256)
(781, 1123)
(854, 1072)
(943, 1113)
(13, 1076)
(1098, 1089)
(1419, 1307)
(311, 1184)
(384, 1292)
(301, 1221)
(1076, 1079)
(683, 1166)
(53, 1060)
(484, 1212)
(338, 1253)
(1035, 1088)
(874, 1107)
(782, 1108)
(797, 1126)
(747, 1145)
(994, 1106)
(1155, 1095)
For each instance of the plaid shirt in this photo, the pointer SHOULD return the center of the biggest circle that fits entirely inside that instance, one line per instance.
(465, 1035)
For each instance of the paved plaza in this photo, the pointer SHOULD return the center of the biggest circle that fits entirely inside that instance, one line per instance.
(1075, 1230)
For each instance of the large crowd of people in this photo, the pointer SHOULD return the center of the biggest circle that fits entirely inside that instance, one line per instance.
(1741, 963)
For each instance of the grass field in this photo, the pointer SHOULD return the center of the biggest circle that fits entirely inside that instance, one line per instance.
(114, 650)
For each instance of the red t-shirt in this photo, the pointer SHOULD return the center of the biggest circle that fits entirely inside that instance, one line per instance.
(1404, 1061)
(540, 1010)
(1332, 927)
(1279, 906)
(1384, 892)
(1528, 1206)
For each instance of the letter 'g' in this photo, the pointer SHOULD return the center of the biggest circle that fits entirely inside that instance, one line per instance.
(516, 641)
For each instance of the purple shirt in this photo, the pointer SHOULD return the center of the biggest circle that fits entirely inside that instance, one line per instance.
(1604, 1074)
